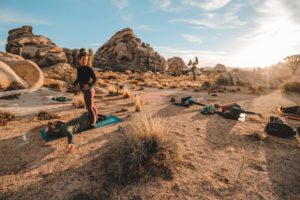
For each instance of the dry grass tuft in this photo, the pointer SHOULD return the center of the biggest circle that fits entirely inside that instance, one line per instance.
(112, 90)
(44, 115)
(138, 103)
(5, 117)
(143, 150)
(126, 93)
(292, 86)
(78, 100)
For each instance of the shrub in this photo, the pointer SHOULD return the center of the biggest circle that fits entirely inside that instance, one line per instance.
(138, 103)
(78, 100)
(292, 86)
(112, 90)
(142, 150)
(126, 93)
(5, 117)
(44, 115)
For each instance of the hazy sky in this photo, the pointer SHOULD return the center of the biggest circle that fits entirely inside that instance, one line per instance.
(244, 33)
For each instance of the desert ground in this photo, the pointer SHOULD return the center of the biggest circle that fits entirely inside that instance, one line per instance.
(220, 158)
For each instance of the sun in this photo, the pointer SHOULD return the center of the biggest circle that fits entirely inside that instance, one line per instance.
(273, 40)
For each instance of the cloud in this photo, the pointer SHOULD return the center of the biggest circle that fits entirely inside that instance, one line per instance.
(11, 17)
(192, 38)
(127, 18)
(206, 58)
(225, 20)
(96, 44)
(168, 6)
(143, 27)
(208, 5)
(121, 4)
(163, 4)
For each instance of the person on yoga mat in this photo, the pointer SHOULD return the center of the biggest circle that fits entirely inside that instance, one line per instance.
(232, 111)
(84, 76)
(60, 128)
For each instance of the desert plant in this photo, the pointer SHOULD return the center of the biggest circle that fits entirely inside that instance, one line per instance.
(138, 103)
(292, 86)
(142, 150)
(78, 100)
(44, 115)
(112, 90)
(90, 58)
(126, 93)
(293, 61)
(5, 117)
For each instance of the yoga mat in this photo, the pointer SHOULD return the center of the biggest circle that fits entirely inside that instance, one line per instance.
(289, 116)
(110, 120)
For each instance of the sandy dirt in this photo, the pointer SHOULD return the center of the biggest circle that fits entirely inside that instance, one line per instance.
(222, 158)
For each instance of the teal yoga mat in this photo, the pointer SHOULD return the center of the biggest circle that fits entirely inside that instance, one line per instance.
(110, 120)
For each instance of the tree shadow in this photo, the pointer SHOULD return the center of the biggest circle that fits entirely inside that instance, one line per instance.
(283, 167)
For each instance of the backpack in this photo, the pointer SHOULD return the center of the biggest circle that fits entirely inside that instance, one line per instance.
(276, 127)
(234, 113)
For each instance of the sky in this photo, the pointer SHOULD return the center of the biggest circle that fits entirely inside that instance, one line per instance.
(237, 33)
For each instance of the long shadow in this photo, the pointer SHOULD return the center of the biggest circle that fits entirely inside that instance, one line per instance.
(282, 158)
(84, 181)
(88, 181)
(20, 153)
(283, 167)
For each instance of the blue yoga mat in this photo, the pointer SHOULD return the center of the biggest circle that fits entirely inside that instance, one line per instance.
(110, 120)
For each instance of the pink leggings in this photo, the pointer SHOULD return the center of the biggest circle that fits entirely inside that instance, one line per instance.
(90, 106)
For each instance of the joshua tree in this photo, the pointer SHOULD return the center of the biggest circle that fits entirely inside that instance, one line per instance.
(75, 58)
(91, 58)
(193, 69)
(293, 61)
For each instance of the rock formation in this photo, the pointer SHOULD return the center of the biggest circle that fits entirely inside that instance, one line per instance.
(30, 72)
(176, 64)
(37, 48)
(9, 80)
(220, 68)
(25, 72)
(124, 51)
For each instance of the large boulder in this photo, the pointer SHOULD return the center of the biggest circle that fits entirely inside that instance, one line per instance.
(242, 78)
(62, 71)
(176, 64)
(124, 51)
(220, 68)
(7, 57)
(29, 71)
(9, 79)
(37, 48)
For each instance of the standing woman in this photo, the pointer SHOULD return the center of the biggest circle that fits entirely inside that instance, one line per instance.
(86, 79)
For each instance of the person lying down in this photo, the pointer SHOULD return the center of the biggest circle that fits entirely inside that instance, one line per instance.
(232, 111)
(59, 128)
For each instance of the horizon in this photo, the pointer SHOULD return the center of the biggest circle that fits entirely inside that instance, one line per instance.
(231, 32)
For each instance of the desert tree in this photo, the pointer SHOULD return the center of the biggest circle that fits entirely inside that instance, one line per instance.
(293, 61)
(193, 68)
(90, 58)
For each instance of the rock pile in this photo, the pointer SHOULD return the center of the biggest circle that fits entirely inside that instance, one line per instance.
(36, 48)
(176, 64)
(125, 51)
